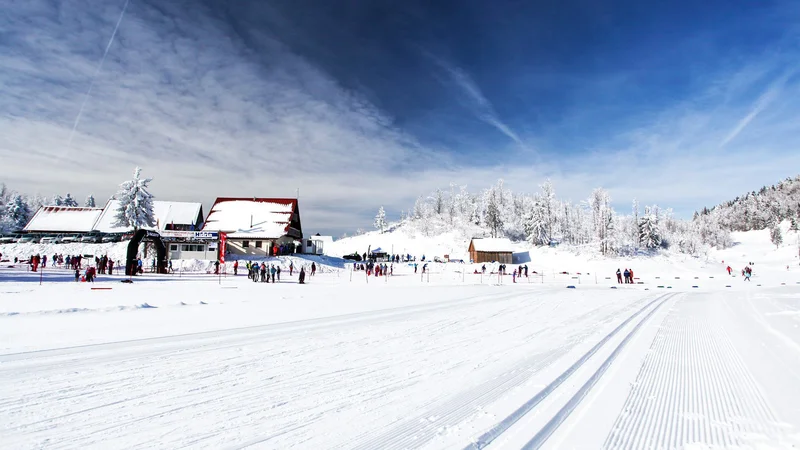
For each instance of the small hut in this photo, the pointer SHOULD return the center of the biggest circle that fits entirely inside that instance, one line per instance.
(483, 250)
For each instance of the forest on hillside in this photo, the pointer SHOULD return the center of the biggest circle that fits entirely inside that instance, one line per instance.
(542, 218)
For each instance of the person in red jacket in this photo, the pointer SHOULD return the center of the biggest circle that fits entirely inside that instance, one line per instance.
(729, 270)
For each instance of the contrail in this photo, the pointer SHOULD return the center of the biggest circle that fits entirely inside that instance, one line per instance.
(96, 73)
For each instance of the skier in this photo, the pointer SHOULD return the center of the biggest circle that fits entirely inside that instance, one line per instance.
(77, 275)
(415, 267)
(526, 271)
(483, 269)
(302, 276)
(236, 267)
(216, 267)
(313, 269)
(729, 270)
(110, 267)
(272, 272)
(279, 272)
(291, 267)
(514, 276)
(264, 277)
(619, 277)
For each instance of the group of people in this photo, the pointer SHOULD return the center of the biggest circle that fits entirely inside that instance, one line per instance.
(271, 273)
(747, 272)
(379, 269)
(628, 274)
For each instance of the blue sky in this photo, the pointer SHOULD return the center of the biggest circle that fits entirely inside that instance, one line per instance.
(368, 103)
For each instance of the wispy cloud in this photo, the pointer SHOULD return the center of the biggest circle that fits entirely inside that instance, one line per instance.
(475, 99)
(763, 101)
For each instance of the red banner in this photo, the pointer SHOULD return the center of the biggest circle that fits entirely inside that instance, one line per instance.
(223, 240)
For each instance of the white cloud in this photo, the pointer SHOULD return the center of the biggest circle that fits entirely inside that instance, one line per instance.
(207, 116)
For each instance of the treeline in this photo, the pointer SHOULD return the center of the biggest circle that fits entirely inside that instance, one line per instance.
(543, 219)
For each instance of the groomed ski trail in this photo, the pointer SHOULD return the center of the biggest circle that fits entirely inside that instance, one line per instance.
(693, 388)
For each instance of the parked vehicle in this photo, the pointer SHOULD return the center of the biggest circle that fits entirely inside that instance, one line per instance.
(47, 240)
(353, 257)
(69, 238)
(437, 259)
(111, 238)
(92, 237)
(9, 238)
(28, 239)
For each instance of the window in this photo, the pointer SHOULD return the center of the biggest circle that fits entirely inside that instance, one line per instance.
(173, 247)
(186, 248)
(258, 244)
(245, 244)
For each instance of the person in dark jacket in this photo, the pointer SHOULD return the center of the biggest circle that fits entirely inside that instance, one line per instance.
(302, 276)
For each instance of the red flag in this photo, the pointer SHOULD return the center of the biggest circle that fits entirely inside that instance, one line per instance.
(223, 240)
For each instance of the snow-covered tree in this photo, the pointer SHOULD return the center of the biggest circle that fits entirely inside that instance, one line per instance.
(89, 203)
(17, 213)
(69, 201)
(380, 220)
(135, 203)
(493, 201)
(602, 218)
(57, 200)
(649, 232)
(775, 235)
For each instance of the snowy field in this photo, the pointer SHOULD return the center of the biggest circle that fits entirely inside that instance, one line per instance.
(450, 360)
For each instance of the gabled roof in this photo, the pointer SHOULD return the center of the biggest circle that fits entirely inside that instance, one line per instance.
(179, 213)
(255, 218)
(497, 245)
(63, 219)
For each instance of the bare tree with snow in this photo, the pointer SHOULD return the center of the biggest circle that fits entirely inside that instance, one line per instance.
(380, 220)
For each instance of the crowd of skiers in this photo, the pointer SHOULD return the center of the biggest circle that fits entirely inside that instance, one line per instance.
(271, 273)
(628, 274)
(36, 262)
(371, 267)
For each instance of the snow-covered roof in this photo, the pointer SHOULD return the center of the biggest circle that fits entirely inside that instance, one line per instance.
(501, 245)
(63, 219)
(255, 218)
(179, 213)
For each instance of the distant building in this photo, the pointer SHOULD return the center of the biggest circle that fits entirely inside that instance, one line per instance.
(63, 219)
(483, 250)
(315, 245)
(257, 226)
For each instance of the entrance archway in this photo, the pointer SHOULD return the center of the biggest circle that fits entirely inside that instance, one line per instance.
(131, 265)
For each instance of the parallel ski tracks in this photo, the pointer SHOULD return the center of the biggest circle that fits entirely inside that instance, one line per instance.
(422, 428)
(541, 436)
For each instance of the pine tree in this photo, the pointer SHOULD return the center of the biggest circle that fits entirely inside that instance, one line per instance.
(69, 201)
(775, 235)
(17, 213)
(90, 203)
(57, 200)
(649, 233)
(380, 220)
(135, 203)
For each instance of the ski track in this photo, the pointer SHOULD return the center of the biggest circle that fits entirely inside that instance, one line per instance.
(421, 428)
(551, 426)
(693, 387)
(497, 430)
(276, 381)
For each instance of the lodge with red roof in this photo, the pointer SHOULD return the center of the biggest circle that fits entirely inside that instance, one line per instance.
(257, 226)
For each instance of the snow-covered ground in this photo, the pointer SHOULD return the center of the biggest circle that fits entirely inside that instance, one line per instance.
(449, 359)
